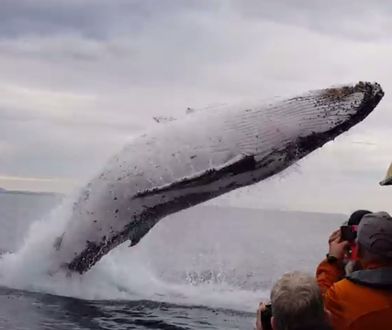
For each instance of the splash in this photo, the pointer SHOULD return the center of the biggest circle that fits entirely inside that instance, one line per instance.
(125, 273)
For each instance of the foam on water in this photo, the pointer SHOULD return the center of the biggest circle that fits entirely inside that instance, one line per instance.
(122, 274)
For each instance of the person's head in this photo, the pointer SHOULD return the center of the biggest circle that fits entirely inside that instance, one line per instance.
(297, 303)
(375, 238)
(351, 262)
(356, 217)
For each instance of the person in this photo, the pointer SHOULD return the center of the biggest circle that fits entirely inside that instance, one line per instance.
(356, 217)
(350, 262)
(363, 299)
(296, 303)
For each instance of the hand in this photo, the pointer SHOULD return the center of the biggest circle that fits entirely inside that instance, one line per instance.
(333, 236)
(337, 247)
(260, 310)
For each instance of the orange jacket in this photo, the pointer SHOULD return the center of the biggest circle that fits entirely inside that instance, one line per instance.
(362, 301)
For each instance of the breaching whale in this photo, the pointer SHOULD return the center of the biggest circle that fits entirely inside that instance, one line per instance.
(179, 164)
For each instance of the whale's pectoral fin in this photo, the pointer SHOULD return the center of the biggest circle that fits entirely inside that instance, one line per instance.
(239, 164)
(139, 229)
(134, 241)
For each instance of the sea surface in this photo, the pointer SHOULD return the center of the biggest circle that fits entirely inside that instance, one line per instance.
(203, 268)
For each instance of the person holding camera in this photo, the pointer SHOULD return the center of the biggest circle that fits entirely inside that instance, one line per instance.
(362, 299)
(296, 304)
(349, 233)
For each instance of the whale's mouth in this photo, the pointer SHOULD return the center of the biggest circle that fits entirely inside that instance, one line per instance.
(370, 90)
(372, 95)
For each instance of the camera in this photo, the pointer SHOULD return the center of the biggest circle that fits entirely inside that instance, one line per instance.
(265, 317)
(348, 233)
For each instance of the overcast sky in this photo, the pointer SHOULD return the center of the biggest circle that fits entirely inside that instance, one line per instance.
(78, 78)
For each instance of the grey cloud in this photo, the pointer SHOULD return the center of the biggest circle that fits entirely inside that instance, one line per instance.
(97, 71)
(90, 121)
(44, 17)
(98, 19)
(350, 19)
(41, 149)
(102, 19)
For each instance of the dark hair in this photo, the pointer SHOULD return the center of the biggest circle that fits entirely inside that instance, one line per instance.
(356, 217)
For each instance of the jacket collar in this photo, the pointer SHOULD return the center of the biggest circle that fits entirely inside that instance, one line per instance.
(380, 278)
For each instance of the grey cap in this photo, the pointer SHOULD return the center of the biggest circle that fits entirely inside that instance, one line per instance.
(375, 233)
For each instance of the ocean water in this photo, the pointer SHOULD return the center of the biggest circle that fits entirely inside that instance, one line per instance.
(203, 268)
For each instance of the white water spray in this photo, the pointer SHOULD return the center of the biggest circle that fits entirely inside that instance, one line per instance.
(129, 273)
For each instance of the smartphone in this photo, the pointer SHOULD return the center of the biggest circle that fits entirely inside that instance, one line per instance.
(348, 233)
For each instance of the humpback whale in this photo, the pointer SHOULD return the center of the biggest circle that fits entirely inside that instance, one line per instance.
(185, 162)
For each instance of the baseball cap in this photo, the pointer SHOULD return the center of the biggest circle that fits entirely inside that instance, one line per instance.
(356, 217)
(375, 233)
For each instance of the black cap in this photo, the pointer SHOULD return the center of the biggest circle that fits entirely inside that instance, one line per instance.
(356, 217)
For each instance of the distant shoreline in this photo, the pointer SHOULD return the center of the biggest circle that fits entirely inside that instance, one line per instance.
(23, 192)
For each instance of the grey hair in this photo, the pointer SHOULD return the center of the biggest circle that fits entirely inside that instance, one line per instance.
(297, 302)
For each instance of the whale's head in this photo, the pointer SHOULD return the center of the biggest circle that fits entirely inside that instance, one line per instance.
(339, 109)
(307, 122)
